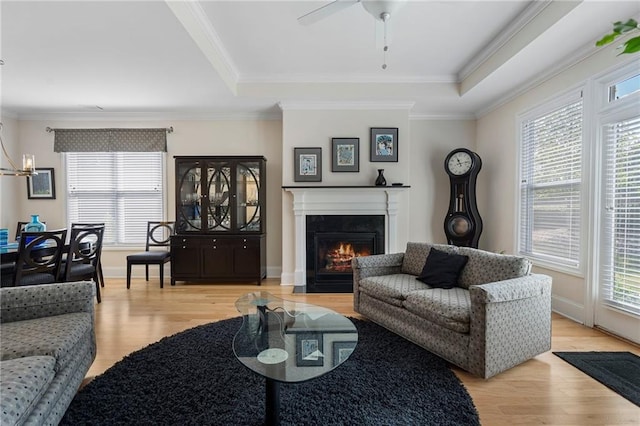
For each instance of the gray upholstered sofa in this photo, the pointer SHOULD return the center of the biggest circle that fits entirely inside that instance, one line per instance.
(497, 317)
(47, 344)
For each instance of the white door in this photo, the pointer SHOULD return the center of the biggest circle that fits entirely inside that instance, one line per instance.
(618, 301)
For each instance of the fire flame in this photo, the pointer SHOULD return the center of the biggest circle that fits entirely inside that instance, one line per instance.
(345, 249)
(339, 259)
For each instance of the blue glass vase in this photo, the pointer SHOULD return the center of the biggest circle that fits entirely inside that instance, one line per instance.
(35, 225)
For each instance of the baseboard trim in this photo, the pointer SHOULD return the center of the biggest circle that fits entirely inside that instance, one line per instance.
(568, 308)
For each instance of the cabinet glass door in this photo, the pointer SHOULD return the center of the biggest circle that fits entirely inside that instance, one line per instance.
(247, 196)
(219, 184)
(189, 196)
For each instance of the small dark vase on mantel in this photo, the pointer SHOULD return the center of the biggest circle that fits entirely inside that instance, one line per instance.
(380, 180)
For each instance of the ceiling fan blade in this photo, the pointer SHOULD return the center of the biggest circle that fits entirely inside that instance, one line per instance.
(326, 10)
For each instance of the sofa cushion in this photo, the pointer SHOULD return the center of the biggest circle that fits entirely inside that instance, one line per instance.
(54, 336)
(24, 381)
(415, 256)
(449, 308)
(442, 269)
(486, 267)
(391, 288)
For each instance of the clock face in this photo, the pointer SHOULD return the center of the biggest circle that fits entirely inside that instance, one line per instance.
(459, 163)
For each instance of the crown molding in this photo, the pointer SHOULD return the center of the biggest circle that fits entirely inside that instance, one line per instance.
(9, 114)
(197, 24)
(441, 117)
(151, 116)
(364, 78)
(339, 105)
(579, 55)
(534, 8)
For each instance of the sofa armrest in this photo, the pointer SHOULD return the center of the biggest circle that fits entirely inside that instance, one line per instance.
(378, 264)
(510, 323)
(373, 266)
(38, 301)
(533, 285)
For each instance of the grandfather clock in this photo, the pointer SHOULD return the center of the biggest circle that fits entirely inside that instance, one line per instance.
(463, 224)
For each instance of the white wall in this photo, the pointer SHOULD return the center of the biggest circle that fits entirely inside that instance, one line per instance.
(11, 197)
(241, 137)
(423, 145)
(497, 145)
(316, 128)
(431, 141)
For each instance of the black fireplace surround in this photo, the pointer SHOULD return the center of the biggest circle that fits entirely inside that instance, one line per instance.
(332, 241)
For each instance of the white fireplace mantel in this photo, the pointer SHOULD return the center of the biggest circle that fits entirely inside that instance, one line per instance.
(342, 200)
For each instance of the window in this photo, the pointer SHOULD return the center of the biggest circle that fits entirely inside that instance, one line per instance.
(620, 272)
(550, 183)
(624, 88)
(122, 189)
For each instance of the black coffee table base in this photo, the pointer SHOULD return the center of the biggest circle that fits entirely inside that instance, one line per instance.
(272, 403)
(274, 333)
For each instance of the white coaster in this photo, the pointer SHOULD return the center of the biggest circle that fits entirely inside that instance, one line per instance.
(272, 356)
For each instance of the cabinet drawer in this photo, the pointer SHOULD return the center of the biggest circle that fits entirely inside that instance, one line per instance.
(185, 242)
(247, 243)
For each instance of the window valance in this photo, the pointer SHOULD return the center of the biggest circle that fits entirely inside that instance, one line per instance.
(110, 140)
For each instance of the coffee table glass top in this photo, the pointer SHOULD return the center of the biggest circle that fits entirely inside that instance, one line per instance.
(291, 341)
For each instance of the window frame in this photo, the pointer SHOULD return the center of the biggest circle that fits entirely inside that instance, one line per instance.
(565, 98)
(163, 192)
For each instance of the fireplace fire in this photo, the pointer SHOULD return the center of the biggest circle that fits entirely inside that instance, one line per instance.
(338, 259)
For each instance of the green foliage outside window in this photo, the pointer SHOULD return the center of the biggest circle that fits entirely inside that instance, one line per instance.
(619, 29)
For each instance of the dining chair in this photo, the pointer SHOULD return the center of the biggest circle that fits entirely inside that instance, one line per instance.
(84, 225)
(158, 236)
(39, 259)
(20, 228)
(82, 261)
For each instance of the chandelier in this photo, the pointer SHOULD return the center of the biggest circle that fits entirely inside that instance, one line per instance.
(28, 163)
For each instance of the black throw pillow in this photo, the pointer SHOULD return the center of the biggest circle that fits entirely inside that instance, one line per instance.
(442, 269)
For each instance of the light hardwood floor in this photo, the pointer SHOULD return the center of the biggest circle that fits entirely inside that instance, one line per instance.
(542, 391)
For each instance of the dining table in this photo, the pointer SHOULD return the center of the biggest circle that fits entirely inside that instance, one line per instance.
(9, 252)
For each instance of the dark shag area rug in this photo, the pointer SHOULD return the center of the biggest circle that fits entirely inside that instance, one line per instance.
(619, 371)
(193, 378)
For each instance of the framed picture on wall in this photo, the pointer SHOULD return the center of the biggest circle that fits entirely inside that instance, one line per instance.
(307, 164)
(42, 186)
(345, 154)
(384, 144)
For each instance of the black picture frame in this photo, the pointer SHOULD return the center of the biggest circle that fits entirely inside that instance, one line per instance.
(342, 351)
(384, 144)
(307, 164)
(345, 154)
(309, 350)
(43, 185)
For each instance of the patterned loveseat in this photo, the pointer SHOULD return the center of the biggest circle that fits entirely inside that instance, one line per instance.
(47, 345)
(498, 315)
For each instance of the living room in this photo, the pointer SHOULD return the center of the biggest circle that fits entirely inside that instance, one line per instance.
(432, 119)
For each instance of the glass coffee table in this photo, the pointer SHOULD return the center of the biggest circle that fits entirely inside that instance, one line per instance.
(289, 342)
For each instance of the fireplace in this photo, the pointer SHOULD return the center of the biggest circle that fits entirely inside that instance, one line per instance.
(384, 201)
(332, 241)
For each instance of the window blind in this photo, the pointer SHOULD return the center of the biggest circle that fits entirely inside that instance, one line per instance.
(620, 273)
(122, 189)
(550, 185)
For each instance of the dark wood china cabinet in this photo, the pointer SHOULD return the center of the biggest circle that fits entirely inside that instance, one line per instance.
(220, 219)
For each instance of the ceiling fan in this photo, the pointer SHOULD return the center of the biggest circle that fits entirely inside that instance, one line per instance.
(381, 11)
